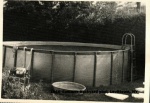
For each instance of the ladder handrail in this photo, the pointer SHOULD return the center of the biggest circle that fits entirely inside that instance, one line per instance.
(132, 39)
(124, 39)
(132, 43)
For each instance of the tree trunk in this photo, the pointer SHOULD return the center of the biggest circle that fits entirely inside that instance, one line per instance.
(138, 7)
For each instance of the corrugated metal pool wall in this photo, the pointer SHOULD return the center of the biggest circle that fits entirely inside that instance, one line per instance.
(88, 68)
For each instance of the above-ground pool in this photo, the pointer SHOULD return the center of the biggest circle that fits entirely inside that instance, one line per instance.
(85, 63)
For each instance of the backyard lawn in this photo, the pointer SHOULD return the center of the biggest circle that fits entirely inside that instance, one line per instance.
(41, 90)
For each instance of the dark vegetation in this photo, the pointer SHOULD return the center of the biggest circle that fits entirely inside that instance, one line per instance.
(74, 22)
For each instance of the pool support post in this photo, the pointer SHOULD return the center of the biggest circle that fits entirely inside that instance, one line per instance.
(15, 50)
(95, 67)
(111, 67)
(74, 67)
(4, 56)
(52, 66)
(122, 67)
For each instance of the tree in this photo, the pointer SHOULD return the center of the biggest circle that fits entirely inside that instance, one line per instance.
(138, 6)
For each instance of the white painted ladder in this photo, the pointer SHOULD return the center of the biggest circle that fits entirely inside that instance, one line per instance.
(132, 50)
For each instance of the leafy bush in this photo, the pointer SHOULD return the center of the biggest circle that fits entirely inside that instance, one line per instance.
(12, 88)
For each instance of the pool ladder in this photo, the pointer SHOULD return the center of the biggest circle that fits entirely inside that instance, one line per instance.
(132, 51)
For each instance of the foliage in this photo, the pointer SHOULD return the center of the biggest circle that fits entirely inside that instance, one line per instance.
(59, 14)
(12, 88)
(101, 11)
(45, 14)
(54, 17)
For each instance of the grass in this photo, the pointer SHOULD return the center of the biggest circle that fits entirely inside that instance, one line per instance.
(42, 91)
